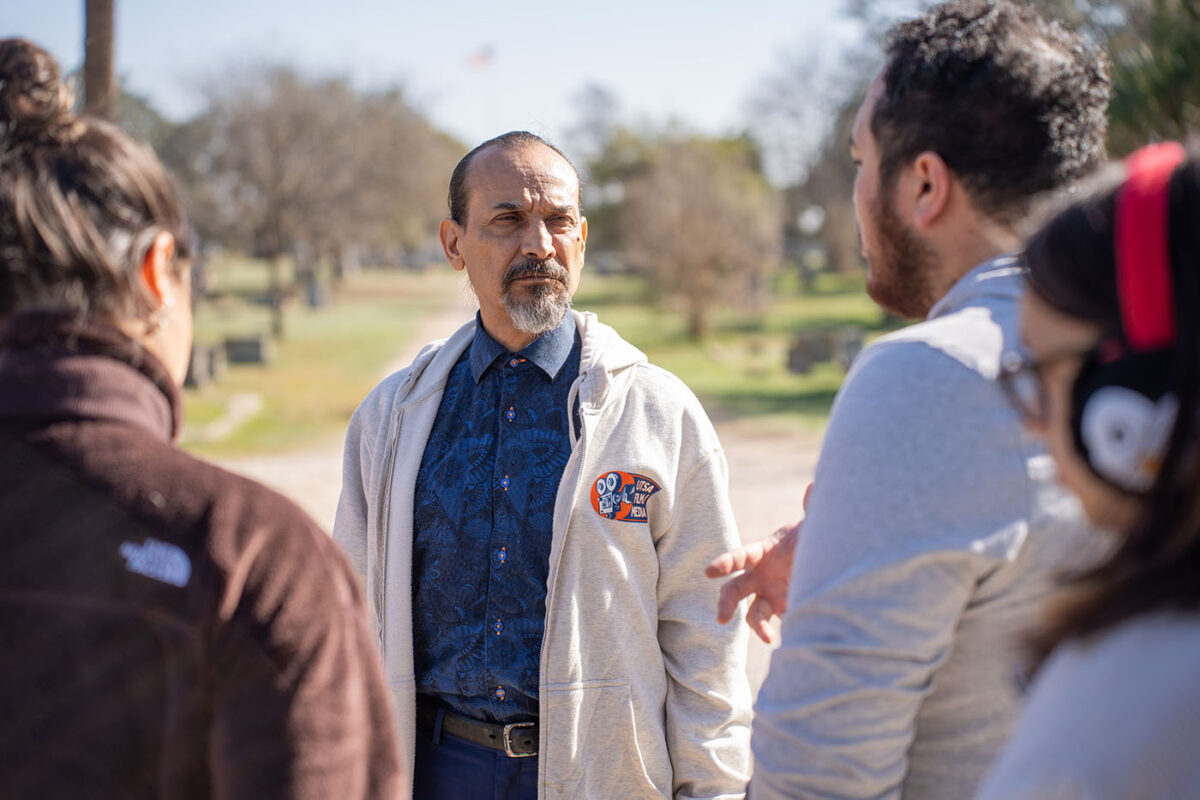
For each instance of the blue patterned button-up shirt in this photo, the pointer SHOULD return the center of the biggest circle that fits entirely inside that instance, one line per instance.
(482, 522)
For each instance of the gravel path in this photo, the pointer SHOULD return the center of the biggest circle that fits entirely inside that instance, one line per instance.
(768, 471)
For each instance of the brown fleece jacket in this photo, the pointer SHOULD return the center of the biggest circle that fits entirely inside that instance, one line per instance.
(167, 629)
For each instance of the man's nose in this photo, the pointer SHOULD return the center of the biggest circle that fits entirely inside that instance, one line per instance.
(538, 242)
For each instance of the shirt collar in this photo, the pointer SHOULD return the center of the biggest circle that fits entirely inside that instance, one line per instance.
(549, 351)
(987, 277)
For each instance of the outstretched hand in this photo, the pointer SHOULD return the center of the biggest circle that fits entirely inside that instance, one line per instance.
(766, 568)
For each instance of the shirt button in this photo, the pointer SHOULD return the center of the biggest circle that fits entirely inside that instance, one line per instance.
(504, 483)
(514, 362)
(498, 693)
(497, 626)
(501, 555)
(510, 415)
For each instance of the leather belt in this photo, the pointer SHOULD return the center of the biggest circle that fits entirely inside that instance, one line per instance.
(516, 739)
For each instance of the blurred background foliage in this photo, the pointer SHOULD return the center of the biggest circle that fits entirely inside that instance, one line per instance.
(710, 253)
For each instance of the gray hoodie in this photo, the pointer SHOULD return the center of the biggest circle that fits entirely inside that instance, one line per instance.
(642, 693)
(935, 530)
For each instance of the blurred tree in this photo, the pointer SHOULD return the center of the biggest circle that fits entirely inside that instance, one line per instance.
(281, 166)
(806, 126)
(829, 186)
(99, 88)
(284, 166)
(624, 155)
(597, 111)
(701, 221)
(141, 120)
(1156, 80)
(801, 115)
(406, 167)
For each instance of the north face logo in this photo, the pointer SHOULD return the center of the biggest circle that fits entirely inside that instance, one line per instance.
(160, 561)
(622, 496)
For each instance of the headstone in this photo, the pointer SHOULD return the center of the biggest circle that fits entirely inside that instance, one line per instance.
(199, 373)
(847, 345)
(809, 348)
(249, 350)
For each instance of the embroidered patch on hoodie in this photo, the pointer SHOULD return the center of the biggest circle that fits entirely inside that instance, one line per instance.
(158, 560)
(622, 496)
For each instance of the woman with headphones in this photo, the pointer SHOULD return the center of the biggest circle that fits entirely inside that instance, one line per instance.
(1111, 381)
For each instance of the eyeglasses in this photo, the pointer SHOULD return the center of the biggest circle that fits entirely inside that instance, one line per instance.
(1021, 378)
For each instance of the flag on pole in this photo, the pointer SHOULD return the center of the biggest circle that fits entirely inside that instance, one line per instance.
(482, 57)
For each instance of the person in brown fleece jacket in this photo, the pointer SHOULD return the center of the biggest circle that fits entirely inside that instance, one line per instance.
(167, 629)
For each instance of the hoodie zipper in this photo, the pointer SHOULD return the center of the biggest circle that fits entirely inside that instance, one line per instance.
(552, 583)
(385, 497)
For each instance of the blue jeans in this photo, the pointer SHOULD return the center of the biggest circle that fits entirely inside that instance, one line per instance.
(450, 768)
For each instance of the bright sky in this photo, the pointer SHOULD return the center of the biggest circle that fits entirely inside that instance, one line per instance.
(696, 60)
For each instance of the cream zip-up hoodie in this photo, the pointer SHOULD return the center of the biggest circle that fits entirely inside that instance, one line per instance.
(642, 694)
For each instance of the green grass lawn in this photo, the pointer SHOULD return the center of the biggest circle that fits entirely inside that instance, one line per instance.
(739, 370)
(325, 365)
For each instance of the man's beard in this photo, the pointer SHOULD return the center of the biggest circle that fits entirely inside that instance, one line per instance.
(901, 276)
(541, 306)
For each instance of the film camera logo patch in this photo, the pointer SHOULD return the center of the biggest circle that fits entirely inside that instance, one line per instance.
(622, 496)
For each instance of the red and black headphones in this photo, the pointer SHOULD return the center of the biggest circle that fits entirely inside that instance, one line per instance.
(1124, 406)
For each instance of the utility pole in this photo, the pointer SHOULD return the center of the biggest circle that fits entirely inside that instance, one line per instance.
(99, 88)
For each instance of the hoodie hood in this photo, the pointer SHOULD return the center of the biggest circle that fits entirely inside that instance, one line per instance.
(604, 358)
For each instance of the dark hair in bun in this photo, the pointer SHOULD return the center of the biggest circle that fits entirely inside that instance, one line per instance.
(80, 201)
(33, 103)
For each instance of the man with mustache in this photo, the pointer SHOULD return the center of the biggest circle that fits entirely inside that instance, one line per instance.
(529, 503)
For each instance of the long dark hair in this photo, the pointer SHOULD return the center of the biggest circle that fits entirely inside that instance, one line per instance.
(1072, 267)
(80, 201)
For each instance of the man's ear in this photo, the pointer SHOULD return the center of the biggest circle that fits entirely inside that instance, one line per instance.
(156, 269)
(932, 184)
(582, 235)
(451, 235)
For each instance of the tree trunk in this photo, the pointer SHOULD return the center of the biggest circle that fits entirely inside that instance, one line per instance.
(277, 297)
(99, 88)
(697, 318)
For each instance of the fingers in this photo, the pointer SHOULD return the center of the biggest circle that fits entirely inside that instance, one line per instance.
(722, 565)
(759, 618)
(734, 561)
(732, 593)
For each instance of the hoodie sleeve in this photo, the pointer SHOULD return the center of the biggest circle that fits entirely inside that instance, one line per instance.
(350, 522)
(708, 704)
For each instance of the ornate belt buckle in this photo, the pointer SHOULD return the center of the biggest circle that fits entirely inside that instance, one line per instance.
(508, 729)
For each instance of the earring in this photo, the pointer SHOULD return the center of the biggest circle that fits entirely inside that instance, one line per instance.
(158, 317)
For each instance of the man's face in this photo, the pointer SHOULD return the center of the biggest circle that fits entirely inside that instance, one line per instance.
(523, 238)
(899, 268)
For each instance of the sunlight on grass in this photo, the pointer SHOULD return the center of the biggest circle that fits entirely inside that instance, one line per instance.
(328, 361)
(739, 370)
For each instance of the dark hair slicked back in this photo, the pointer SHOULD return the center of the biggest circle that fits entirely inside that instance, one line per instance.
(1013, 103)
(513, 140)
